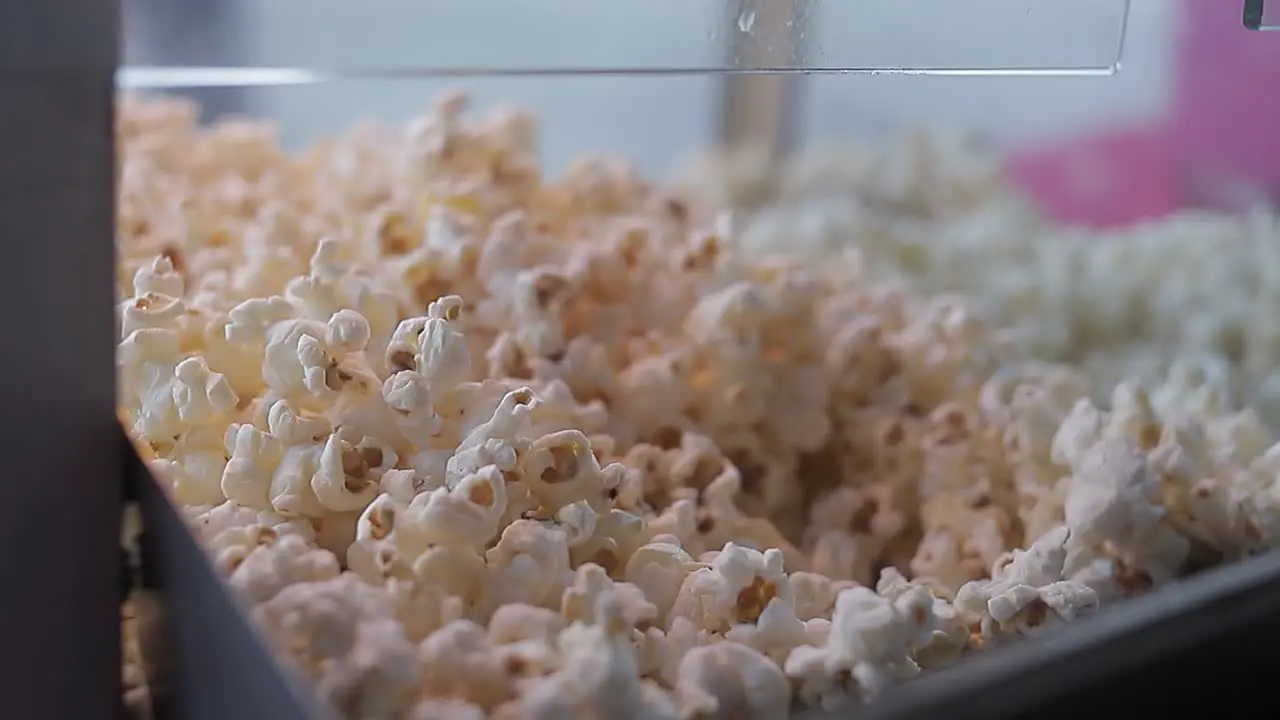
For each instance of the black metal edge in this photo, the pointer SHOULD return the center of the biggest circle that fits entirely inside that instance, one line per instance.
(1253, 13)
(60, 614)
(216, 666)
(1198, 643)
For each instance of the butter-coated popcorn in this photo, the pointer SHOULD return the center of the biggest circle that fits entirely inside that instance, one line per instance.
(476, 441)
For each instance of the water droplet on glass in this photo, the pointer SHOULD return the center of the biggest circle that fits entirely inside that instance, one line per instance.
(746, 21)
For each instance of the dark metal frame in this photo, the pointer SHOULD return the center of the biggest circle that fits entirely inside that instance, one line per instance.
(1254, 13)
(61, 493)
(69, 470)
(1207, 642)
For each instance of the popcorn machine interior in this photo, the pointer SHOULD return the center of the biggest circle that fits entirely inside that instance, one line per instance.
(669, 359)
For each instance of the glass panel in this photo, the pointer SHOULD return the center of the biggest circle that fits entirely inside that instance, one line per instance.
(1113, 218)
(306, 41)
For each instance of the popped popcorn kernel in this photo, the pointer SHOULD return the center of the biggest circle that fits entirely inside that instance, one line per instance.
(473, 440)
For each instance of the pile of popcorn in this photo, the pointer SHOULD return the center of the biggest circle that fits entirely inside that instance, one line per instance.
(475, 442)
(938, 212)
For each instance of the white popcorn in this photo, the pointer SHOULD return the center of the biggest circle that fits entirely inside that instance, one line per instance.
(446, 709)
(290, 491)
(195, 474)
(459, 662)
(813, 595)
(319, 621)
(659, 569)
(1027, 591)
(421, 608)
(530, 564)
(152, 310)
(248, 474)
(774, 634)
(409, 394)
(599, 675)
(249, 322)
(276, 564)
(164, 393)
(343, 480)
(590, 584)
(594, 520)
(383, 521)
(403, 485)
(1112, 501)
(737, 587)
(517, 622)
(727, 680)
(469, 513)
(459, 572)
(560, 469)
(159, 277)
(378, 678)
(301, 359)
(443, 357)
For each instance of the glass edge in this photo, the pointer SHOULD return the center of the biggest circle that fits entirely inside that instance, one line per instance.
(151, 77)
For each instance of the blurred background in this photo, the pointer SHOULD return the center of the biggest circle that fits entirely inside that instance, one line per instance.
(1181, 119)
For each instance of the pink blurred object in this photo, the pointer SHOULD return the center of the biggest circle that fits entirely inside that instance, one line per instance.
(1218, 146)
(1224, 123)
(1101, 181)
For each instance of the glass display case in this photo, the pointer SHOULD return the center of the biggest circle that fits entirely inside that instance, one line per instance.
(677, 358)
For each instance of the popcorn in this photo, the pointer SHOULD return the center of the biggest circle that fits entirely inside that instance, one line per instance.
(560, 469)
(466, 516)
(596, 517)
(347, 478)
(378, 678)
(659, 569)
(729, 680)
(301, 357)
(736, 588)
(1027, 591)
(598, 674)
(530, 564)
(276, 562)
(590, 583)
(1112, 503)
(518, 622)
(249, 472)
(869, 646)
(446, 709)
(172, 393)
(195, 472)
(459, 662)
